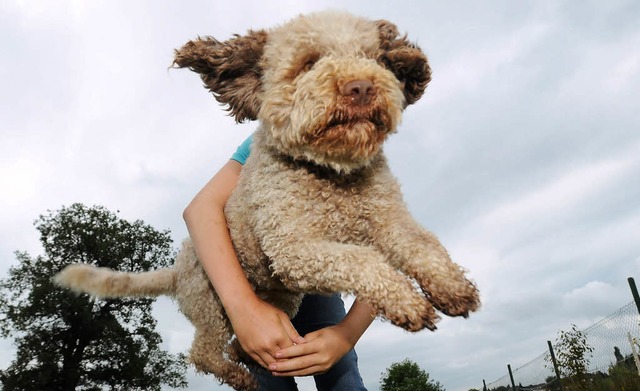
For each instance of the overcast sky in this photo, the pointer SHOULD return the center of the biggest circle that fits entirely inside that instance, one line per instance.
(523, 156)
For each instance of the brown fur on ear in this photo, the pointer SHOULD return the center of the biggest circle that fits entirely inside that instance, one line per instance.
(231, 70)
(405, 60)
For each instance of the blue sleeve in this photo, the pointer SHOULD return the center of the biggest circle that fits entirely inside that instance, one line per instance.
(242, 153)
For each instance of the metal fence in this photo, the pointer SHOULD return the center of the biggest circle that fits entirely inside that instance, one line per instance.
(611, 339)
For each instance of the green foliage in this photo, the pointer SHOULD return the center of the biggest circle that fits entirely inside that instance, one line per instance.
(552, 383)
(407, 376)
(573, 354)
(66, 341)
(624, 377)
(619, 378)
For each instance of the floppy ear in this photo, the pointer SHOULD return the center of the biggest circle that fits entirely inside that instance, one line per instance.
(231, 70)
(405, 60)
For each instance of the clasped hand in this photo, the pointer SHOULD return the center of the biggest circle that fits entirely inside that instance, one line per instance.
(267, 335)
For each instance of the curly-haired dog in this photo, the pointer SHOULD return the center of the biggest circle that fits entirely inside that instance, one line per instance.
(316, 208)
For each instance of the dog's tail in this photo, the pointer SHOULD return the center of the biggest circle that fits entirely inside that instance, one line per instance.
(107, 283)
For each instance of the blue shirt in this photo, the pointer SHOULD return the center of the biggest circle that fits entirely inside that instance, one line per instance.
(242, 153)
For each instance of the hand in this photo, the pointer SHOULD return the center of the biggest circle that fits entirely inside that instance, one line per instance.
(322, 349)
(262, 330)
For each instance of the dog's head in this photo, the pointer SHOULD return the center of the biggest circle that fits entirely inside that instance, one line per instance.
(327, 87)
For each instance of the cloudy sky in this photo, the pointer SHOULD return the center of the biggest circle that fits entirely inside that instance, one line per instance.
(523, 156)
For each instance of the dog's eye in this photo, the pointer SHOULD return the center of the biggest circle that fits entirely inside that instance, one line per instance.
(302, 65)
(308, 65)
(308, 62)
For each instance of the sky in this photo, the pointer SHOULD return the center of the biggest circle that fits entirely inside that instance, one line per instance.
(523, 156)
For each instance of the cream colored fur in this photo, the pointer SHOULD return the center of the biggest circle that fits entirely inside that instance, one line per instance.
(316, 209)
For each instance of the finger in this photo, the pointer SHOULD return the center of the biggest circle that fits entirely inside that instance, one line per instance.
(293, 351)
(313, 370)
(293, 365)
(293, 334)
(259, 360)
(281, 343)
(264, 358)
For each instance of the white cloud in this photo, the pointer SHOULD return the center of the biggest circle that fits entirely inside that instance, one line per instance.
(467, 70)
(547, 206)
(590, 295)
(623, 72)
(20, 181)
(608, 69)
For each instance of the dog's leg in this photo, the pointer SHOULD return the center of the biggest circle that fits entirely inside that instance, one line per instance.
(326, 267)
(199, 303)
(208, 356)
(419, 254)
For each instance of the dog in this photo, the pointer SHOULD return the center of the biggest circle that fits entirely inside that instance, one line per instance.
(316, 209)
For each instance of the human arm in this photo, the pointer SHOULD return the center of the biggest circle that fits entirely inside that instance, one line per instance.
(324, 347)
(260, 328)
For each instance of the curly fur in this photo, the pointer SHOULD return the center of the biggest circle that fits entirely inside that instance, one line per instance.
(316, 209)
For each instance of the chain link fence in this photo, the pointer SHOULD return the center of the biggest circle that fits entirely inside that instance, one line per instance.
(612, 340)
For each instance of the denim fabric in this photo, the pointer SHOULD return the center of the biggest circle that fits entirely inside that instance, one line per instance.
(317, 312)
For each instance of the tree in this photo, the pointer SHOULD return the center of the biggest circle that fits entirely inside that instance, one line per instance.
(407, 376)
(573, 354)
(66, 341)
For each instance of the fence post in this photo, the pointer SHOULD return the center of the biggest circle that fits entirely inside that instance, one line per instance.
(633, 351)
(513, 384)
(555, 365)
(484, 385)
(634, 292)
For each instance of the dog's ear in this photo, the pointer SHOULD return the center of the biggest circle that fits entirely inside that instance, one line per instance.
(231, 70)
(405, 59)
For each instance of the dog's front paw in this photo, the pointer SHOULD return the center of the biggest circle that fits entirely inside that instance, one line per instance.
(454, 297)
(426, 318)
(408, 310)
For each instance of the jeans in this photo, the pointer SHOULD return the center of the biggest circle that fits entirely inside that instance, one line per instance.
(316, 312)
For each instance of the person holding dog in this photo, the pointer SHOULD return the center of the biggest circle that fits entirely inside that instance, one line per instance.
(265, 332)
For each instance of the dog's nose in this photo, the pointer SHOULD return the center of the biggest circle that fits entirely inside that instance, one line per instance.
(361, 92)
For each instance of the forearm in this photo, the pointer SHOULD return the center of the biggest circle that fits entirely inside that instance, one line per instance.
(208, 230)
(219, 261)
(261, 328)
(357, 320)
